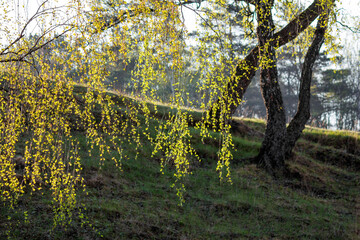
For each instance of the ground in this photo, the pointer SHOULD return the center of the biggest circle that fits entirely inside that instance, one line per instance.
(319, 200)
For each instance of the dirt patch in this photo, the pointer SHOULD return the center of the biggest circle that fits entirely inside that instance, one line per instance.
(95, 181)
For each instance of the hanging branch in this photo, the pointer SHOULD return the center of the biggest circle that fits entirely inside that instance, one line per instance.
(247, 67)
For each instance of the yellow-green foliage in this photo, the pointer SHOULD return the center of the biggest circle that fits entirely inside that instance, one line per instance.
(79, 43)
(174, 140)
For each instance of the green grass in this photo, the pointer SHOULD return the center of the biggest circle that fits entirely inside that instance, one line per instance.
(138, 202)
(344, 140)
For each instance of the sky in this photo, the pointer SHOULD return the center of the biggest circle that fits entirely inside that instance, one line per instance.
(347, 7)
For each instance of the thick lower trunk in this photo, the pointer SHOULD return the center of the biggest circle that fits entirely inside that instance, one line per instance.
(302, 115)
(279, 140)
(271, 155)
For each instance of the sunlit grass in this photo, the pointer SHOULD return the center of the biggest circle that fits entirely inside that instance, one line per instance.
(138, 202)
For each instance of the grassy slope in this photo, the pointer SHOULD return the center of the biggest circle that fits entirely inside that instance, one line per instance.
(321, 202)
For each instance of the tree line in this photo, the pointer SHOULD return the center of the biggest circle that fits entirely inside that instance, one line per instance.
(143, 49)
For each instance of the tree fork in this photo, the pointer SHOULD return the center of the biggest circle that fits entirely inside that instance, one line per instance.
(247, 67)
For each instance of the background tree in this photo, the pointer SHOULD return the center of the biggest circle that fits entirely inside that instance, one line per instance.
(90, 43)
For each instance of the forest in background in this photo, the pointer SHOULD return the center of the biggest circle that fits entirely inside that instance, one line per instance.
(122, 84)
(335, 90)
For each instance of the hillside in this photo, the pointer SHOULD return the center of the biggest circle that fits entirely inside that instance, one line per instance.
(319, 200)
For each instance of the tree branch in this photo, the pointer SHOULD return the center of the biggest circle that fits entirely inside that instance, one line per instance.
(297, 124)
(21, 54)
(247, 67)
(22, 33)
